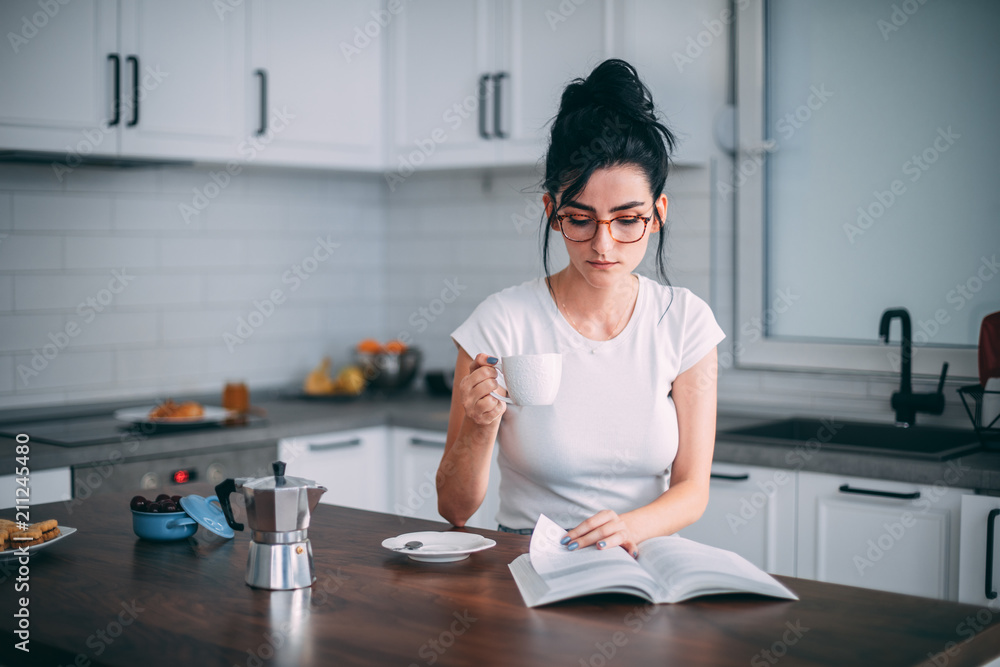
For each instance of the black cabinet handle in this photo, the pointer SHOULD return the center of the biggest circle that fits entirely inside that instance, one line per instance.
(482, 106)
(498, 104)
(990, 523)
(134, 61)
(846, 488)
(423, 442)
(117, 85)
(730, 478)
(263, 101)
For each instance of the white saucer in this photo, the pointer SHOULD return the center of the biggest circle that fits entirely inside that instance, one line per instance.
(439, 547)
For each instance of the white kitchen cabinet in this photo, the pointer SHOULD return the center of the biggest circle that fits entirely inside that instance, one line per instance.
(319, 65)
(681, 50)
(416, 454)
(353, 465)
(177, 69)
(45, 486)
(890, 536)
(190, 56)
(474, 83)
(976, 584)
(751, 511)
(57, 78)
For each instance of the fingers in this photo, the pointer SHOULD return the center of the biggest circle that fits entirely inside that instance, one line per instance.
(475, 389)
(605, 529)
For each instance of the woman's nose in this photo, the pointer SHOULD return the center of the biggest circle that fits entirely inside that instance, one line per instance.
(603, 241)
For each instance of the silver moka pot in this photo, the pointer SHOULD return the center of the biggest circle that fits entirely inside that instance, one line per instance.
(278, 511)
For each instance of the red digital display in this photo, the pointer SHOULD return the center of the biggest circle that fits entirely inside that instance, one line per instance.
(182, 477)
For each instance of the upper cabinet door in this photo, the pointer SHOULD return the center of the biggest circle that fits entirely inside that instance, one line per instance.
(58, 83)
(545, 44)
(321, 63)
(681, 49)
(183, 78)
(441, 50)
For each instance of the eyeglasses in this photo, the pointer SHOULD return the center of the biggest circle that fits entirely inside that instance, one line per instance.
(624, 229)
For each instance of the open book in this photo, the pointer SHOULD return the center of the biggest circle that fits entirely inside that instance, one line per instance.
(668, 569)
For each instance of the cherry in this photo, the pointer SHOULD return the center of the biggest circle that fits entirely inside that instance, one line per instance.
(168, 506)
(139, 504)
(163, 496)
(176, 499)
(154, 507)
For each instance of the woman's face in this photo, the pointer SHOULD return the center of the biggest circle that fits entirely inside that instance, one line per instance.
(610, 193)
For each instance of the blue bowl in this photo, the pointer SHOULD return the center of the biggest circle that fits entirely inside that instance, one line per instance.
(163, 526)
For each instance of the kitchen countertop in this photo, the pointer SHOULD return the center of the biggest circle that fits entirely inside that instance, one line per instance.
(294, 417)
(104, 596)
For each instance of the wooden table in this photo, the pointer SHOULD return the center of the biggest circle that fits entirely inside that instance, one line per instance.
(103, 596)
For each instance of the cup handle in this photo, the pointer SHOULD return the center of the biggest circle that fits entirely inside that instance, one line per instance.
(498, 396)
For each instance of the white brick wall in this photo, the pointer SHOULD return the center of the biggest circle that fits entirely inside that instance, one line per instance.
(163, 334)
(187, 283)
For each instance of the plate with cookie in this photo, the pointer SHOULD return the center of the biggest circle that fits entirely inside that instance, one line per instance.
(170, 412)
(36, 536)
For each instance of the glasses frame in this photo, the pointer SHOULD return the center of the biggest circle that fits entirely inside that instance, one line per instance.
(645, 224)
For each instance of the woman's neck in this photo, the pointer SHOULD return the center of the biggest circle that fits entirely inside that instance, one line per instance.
(598, 313)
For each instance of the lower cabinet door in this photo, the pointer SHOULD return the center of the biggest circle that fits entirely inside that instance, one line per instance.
(977, 583)
(42, 486)
(417, 454)
(890, 536)
(751, 511)
(353, 466)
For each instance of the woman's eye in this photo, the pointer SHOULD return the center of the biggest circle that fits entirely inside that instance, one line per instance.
(580, 219)
(628, 220)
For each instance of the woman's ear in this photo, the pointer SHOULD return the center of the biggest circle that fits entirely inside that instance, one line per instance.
(661, 209)
(550, 208)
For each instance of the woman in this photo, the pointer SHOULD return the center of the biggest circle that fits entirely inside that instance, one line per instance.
(635, 413)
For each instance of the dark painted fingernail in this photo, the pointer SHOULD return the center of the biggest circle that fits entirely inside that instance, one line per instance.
(564, 540)
(602, 544)
(491, 360)
(573, 545)
(635, 554)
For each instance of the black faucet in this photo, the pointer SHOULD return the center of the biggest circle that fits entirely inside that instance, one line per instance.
(905, 402)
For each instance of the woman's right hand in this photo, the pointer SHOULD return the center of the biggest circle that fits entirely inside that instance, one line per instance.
(474, 391)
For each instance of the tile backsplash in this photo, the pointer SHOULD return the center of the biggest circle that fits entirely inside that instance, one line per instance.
(120, 283)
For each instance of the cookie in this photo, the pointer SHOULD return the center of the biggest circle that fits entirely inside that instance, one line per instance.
(50, 534)
(18, 537)
(45, 526)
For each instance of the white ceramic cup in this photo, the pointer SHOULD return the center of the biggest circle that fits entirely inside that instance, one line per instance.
(530, 379)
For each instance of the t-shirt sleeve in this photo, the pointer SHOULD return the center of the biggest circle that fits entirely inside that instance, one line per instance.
(486, 331)
(701, 332)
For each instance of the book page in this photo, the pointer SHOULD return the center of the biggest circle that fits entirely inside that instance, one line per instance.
(686, 569)
(552, 559)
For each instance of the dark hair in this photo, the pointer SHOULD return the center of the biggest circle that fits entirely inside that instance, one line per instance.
(605, 121)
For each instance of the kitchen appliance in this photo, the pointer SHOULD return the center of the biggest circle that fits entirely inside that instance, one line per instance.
(278, 511)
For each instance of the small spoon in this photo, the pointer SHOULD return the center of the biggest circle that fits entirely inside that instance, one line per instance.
(410, 545)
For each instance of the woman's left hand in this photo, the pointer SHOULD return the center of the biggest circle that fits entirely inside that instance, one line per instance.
(606, 529)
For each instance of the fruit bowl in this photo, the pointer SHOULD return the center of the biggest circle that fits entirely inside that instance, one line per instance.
(389, 370)
(162, 527)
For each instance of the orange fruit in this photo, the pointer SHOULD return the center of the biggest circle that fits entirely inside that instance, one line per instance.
(395, 347)
(370, 345)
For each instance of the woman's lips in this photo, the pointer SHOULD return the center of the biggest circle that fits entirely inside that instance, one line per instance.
(601, 265)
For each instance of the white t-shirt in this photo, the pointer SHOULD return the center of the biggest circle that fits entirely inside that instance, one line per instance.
(610, 438)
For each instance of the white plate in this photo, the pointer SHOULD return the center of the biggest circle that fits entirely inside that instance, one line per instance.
(11, 554)
(212, 415)
(439, 547)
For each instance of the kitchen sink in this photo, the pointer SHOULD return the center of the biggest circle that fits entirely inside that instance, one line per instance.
(924, 442)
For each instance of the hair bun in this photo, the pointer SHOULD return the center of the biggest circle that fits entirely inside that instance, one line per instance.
(614, 86)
